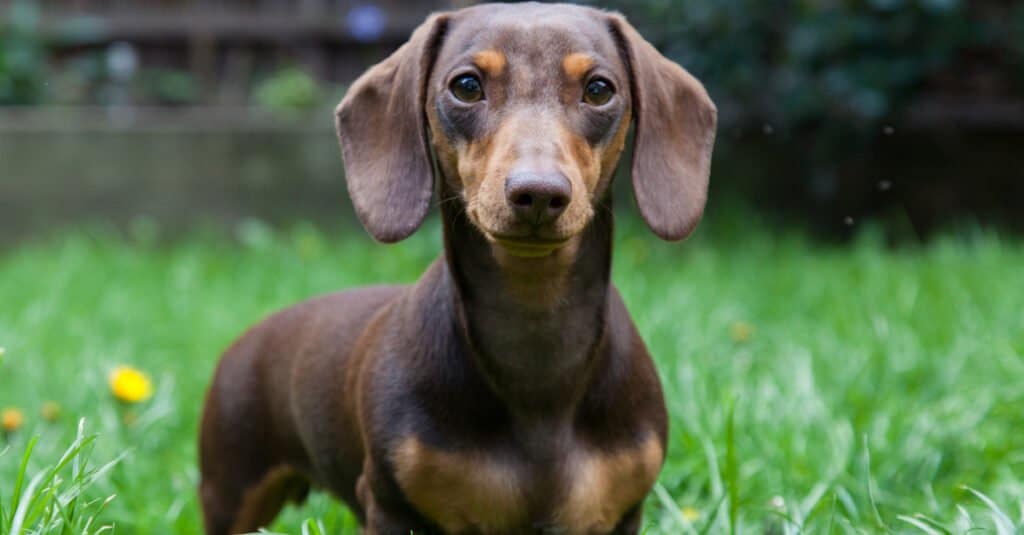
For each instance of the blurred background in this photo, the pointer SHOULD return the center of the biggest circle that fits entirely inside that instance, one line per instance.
(172, 113)
(169, 174)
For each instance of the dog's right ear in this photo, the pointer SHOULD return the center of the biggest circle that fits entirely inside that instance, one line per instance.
(381, 127)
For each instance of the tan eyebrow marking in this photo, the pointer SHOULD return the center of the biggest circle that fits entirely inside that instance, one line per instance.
(490, 61)
(577, 64)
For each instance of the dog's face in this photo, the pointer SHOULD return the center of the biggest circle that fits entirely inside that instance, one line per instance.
(528, 119)
(526, 107)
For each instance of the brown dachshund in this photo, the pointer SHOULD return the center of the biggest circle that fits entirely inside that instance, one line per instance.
(507, 391)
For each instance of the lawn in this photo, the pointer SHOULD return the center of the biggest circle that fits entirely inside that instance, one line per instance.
(812, 387)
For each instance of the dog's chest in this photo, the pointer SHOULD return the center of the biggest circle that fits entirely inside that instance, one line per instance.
(581, 492)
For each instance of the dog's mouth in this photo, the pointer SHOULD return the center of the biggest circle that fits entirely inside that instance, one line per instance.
(521, 242)
(527, 247)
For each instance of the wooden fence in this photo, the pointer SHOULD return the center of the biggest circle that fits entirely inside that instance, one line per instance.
(225, 42)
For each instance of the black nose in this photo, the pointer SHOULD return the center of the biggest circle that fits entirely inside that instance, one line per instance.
(538, 198)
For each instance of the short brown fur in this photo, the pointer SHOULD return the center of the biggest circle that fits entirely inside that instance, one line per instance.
(507, 391)
(261, 502)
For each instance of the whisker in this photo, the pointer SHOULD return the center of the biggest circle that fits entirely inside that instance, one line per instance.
(448, 199)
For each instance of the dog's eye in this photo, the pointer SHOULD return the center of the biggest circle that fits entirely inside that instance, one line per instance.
(598, 92)
(467, 88)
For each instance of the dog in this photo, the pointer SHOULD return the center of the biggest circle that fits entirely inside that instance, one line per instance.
(507, 391)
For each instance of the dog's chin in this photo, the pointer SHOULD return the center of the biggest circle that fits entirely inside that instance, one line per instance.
(523, 248)
(518, 241)
(526, 246)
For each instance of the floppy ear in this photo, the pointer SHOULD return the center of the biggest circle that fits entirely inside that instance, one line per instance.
(381, 127)
(675, 132)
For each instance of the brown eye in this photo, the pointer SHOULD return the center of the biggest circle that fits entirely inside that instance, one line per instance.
(598, 92)
(467, 88)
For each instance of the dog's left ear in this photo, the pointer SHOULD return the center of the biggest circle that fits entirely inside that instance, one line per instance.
(381, 127)
(675, 132)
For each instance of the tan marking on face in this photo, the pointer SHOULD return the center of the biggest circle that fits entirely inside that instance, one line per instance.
(585, 159)
(490, 61)
(530, 138)
(460, 492)
(611, 153)
(605, 485)
(576, 65)
(484, 166)
(447, 155)
(475, 164)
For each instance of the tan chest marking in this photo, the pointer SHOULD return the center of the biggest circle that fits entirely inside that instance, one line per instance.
(470, 493)
(460, 492)
(603, 486)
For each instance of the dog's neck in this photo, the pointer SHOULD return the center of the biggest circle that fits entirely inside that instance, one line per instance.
(534, 325)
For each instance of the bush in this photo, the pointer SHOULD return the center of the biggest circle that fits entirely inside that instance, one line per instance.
(805, 62)
(289, 91)
(22, 55)
(811, 93)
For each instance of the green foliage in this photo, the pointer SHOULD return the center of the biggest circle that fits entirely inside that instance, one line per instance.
(803, 62)
(289, 91)
(810, 388)
(52, 501)
(169, 86)
(22, 55)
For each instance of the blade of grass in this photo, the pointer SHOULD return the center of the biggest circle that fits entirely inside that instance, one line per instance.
(871, 488)
(731, 470)
(704, 530)
(919, 525)
(19, 479)
(670, 505)
(1004, 526)
(23, 506)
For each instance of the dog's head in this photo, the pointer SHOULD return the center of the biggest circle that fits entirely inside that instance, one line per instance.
(526, 107)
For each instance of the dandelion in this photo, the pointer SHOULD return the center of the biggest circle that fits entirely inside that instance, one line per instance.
(691, 514)
(11, 420)
(130, 385)
(50, 411)
(741, 331)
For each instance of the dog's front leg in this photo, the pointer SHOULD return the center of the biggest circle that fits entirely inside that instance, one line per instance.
(380, 522)
(630, 523)
(384, 518)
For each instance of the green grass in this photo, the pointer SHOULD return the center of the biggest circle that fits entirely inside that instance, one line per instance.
(812, 388)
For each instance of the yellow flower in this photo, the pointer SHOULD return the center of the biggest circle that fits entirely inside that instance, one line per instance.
(50, 411)
(3, 351)
(11, 420)
(130, 385)
(741, 331)
(691, 514)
